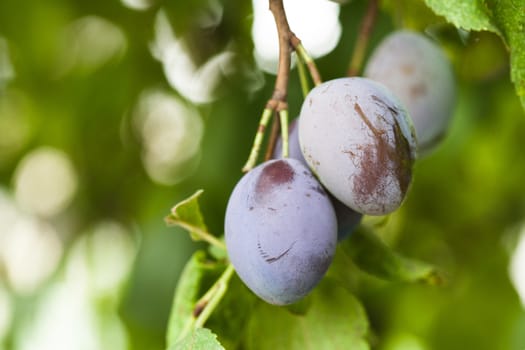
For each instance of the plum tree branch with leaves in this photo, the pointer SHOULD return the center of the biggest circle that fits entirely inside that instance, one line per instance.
(364, 165)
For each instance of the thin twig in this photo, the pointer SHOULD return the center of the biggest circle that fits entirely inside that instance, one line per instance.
(305, 88)
(288, 42)
(202, 234)
(257, 142)
(211, 299)
(310, 63)
(362, 38)
(283, 115)
(205, 306)
(274, 135)
(278, 101)
(285, 49)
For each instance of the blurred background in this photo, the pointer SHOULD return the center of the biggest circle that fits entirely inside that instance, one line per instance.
(113, 111)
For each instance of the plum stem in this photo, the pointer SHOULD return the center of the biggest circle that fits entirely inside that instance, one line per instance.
(274, 134)
(310, 63)
(288, 42)
(284, 131)
(209, 301)
(205, 306)
(257, 142)
(302, 76)
(365, 30)
(283, 71)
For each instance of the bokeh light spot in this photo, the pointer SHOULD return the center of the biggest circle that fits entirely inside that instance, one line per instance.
(68, 315)
(66, 318)
(171, 133)
(14, 123)
(404, 341)
(315, 22)
(45, 181)
(197, 84)
(139, 5)
(89, 43)
(211, 16)
(6, 313)
(31, 252)
(517, 268)
(110, 252)
(7, 71)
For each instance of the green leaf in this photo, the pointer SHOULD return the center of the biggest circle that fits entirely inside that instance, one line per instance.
(371, 255)
(509, 16)
(466, 14)
(199, 339)
(218, 253)
(187, 293)
(335, 320)
(505, 17)
(187, 214)
(230, 318)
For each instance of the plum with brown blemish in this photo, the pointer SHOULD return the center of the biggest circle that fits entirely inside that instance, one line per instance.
(357, 137)
(347, 219)
(417, 71)
(280, 230)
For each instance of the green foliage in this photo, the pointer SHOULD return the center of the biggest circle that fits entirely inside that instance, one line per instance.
(188, 213)
(334, 320)
(200, 338)
(187, 294)
(232, 315)
(370, 254)
(330, 318)
(190, 308)
(507, 18)
(466, 14)
(465, 209)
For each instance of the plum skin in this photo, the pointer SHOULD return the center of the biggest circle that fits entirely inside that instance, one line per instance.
(347, 219)
(280, 231)
(416, 70)
(360, 142)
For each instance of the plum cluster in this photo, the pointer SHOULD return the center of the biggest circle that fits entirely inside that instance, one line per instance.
(351, 153)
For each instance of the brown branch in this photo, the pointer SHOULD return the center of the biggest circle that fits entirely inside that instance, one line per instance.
(283, 72)
(278, 101)
(278, 104)
(362, 38)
